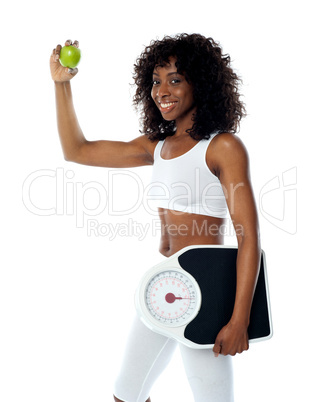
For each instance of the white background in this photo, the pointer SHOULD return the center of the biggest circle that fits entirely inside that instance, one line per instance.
(66, 294)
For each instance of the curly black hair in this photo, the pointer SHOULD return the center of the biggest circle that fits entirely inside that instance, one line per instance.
(215, 86)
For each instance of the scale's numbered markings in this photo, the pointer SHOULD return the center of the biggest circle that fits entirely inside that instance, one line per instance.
(190, 296)
(173, 297)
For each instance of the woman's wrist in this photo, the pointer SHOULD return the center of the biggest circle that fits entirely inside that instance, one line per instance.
(62, 83)
(241, 318)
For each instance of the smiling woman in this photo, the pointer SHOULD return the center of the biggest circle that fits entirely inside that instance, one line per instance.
(191, 108)
(201, 63)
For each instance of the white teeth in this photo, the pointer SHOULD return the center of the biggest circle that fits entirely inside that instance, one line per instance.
(164, 105)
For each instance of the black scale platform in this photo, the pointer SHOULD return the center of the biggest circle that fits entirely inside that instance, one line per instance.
(215, 271)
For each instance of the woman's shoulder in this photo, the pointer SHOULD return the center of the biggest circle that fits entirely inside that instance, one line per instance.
(226, 148)
(228, 140)
(227, 143)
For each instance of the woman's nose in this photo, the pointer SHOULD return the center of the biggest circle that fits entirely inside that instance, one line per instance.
(163, 90)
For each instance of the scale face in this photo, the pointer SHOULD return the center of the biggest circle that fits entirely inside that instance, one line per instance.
(190, 296)
(172, 297)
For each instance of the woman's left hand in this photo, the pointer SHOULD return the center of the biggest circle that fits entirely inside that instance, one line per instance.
(232, 339)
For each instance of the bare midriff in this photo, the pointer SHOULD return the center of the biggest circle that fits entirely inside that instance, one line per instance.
(180, 229)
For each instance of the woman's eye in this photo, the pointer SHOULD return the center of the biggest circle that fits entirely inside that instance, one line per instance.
(173, 81)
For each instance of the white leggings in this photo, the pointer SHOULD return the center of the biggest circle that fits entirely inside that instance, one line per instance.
(148, 353)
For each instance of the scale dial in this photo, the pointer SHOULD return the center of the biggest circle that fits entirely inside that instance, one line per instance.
(172, 297)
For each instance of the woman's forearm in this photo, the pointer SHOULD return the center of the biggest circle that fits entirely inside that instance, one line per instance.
(247, 268)
(70, 133)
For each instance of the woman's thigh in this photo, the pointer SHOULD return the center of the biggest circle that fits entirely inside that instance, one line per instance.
(210, 377)
(146, 356)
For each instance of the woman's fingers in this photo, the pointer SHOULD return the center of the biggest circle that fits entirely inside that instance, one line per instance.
(72, 71)
(70, 43)
(56, 52)
(217, 348)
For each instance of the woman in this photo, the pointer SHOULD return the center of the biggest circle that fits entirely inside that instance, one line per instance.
(190, 112)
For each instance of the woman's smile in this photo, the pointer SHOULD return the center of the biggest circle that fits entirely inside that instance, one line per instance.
(166, 107)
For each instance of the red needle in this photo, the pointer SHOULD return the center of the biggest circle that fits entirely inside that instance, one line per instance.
(170, 298)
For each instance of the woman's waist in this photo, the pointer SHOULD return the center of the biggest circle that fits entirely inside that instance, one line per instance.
(175, 244)
(179, 230)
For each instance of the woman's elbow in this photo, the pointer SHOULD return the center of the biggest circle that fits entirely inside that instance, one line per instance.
(73, 155)
(249, 236)
(69, 157)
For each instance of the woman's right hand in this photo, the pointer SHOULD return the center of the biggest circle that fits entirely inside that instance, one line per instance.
(58, 72)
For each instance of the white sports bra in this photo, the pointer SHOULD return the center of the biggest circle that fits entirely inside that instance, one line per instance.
(186, 184)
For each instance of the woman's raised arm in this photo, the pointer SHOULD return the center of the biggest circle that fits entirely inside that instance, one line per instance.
(76, 147)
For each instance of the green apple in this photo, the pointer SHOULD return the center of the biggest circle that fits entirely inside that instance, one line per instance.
(70, 56)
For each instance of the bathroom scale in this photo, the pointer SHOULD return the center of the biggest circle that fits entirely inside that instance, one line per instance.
(190, 296)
